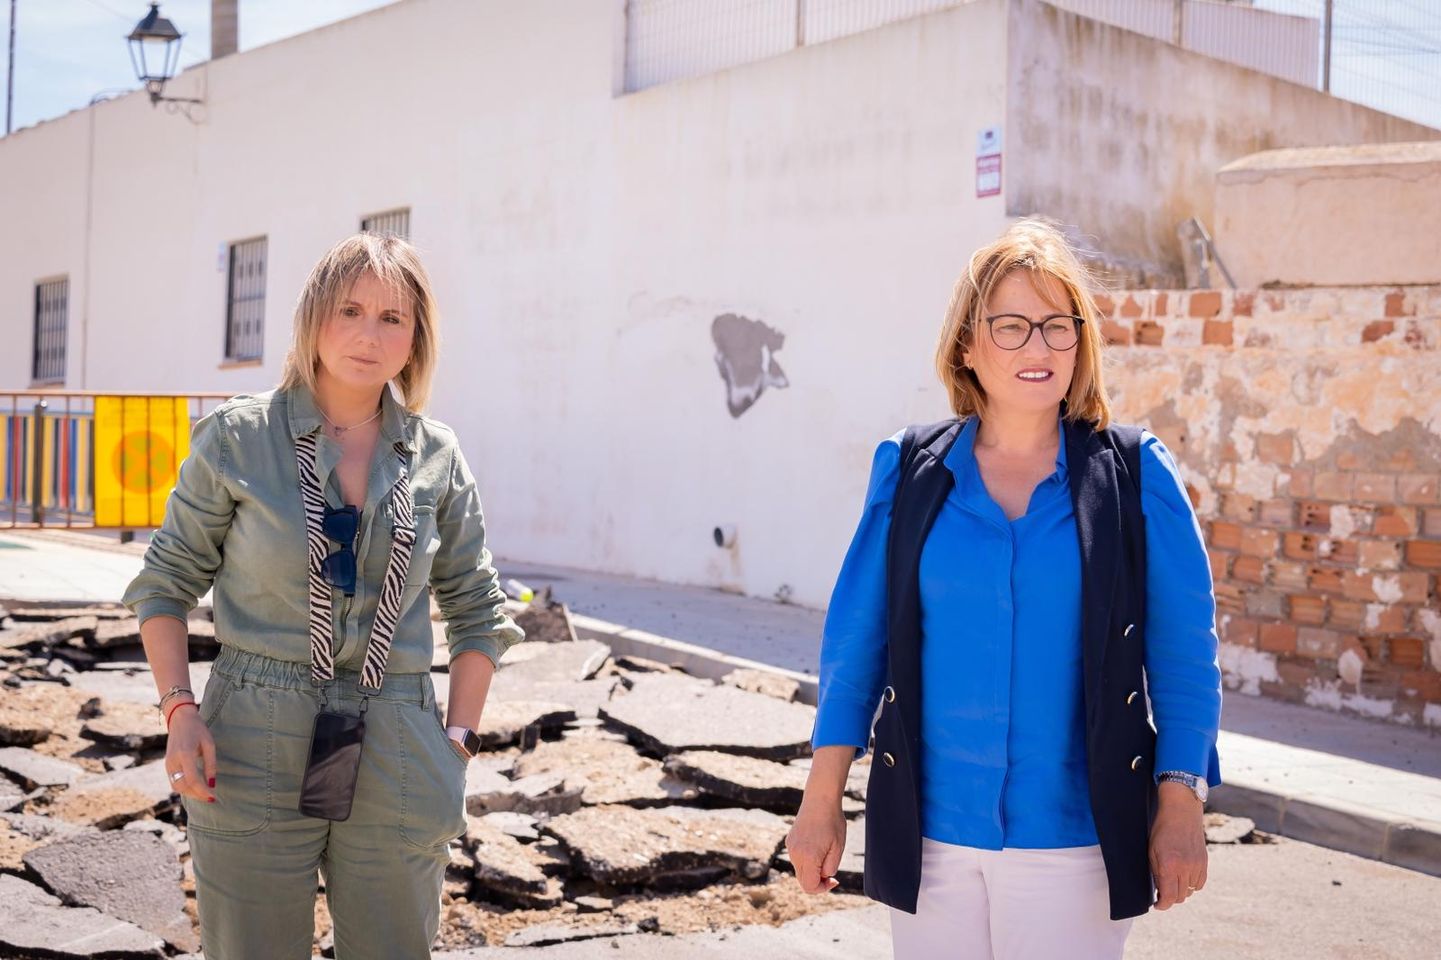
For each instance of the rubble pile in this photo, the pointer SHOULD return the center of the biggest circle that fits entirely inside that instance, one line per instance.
(613, 797)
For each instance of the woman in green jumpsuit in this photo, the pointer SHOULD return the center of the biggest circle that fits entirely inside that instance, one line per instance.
(319, 513)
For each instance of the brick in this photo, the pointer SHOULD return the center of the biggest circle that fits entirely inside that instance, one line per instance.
(1217, 333)
(1386, 618)
(1149, 333)
(1229, 598)
(1326, 579)
(1408, 652)
(1242, 304)
(1277, 513)
(1334, 485)
(1278, 637)
(1131, 307)
(1314, 515)
(1374, 488)
(1348, 615)
(1377, 329)
(1259, 542)
(1300, 546)
(1249, 569)
(1426, 684)
(1431, 526)
(1417, 488)
(1352, 460)
(1238, 506)
(1206, 303)
(1105, 306)
(1340, 551)
(1225, 536)
(1307, 610)
(1298, 483)
(1423, 553)
(1220, 562)
(1411, 587)
(1379, 554)
(1116, 334)
(1159, 305)
(1396, 304)
(1318, 643)
(1394, 521)
(1276, 447)
(1295, 672)
(1239, 630)
(1375, 646)
(1289, 575)
(1264, 604)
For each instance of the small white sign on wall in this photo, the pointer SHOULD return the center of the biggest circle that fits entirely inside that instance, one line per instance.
(988, 162)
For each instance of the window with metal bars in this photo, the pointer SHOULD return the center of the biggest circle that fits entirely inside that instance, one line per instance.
(245, 302)
(52, 313)
(391, 223)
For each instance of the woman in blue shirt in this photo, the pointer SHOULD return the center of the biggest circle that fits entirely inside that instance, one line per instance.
(1022, 805)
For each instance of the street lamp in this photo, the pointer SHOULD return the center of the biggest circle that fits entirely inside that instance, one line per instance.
(154, 52)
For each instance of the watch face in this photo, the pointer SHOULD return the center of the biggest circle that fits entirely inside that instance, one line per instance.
(471, 742)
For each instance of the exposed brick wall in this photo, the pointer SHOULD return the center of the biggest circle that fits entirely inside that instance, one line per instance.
(1308, 426)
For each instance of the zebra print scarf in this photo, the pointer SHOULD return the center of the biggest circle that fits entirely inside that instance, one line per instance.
(387, 612)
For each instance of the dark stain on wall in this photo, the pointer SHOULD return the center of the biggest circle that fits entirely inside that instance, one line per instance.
(745, 355)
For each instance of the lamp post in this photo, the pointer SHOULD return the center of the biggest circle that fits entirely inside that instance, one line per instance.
(154, 52)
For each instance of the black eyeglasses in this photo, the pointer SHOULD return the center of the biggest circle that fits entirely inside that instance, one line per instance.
(341, 524)
(1011, 331)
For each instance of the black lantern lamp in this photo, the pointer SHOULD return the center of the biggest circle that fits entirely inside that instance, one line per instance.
(155, 52)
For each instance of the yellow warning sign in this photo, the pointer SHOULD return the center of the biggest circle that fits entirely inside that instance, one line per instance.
(139, 445)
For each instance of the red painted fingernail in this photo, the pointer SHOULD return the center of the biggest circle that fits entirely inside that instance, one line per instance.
(209, 799)
(210, 783)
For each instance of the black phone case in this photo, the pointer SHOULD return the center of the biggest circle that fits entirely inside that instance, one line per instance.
(329, 784)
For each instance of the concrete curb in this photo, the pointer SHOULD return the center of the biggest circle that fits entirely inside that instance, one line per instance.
(1336, 825)
(696, 660)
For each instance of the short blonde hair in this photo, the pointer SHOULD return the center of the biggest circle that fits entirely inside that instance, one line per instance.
(1038, 246)
(394, 262)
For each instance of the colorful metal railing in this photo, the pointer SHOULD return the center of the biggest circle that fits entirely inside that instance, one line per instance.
(92, 459)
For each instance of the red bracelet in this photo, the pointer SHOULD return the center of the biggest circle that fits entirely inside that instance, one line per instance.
(171, 712)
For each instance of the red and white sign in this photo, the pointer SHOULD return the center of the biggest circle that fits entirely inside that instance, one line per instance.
(988, 162)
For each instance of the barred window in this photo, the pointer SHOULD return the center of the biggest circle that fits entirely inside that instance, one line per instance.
(52, 314)
(391, 223)
(245, 303)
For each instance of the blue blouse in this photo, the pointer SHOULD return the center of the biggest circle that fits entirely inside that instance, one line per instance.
(1003, 755)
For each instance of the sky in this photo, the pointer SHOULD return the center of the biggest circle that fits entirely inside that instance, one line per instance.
(1386, 54)
(68, 51)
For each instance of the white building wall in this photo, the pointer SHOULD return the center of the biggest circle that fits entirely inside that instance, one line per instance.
(582, 245)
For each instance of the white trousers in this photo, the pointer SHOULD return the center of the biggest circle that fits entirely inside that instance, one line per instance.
(1009, 905)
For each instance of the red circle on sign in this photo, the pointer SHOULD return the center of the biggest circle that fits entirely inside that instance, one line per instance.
(143, 462)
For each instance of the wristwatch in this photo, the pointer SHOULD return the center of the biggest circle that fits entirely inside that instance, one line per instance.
(466, 741)
(1197, 784)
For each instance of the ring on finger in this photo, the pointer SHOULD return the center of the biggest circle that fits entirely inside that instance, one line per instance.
(177, 775)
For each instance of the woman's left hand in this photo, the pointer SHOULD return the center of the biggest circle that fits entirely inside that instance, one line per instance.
(1178, 845)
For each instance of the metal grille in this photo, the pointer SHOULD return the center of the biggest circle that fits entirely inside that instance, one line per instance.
(245, 308)
(1385, 54)
(391, 223)
(52, 312)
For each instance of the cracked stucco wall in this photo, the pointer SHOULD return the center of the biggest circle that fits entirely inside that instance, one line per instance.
(1308, 426)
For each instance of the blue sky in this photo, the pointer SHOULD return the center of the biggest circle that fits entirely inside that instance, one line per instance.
(67, 51)
(1387, 53)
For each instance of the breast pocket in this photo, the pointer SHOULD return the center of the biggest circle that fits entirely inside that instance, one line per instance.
(422, 554)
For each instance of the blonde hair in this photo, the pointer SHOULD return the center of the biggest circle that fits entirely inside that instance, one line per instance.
(395, 263)
(1037, 246)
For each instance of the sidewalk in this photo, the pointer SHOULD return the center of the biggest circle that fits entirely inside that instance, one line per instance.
(1341, 782)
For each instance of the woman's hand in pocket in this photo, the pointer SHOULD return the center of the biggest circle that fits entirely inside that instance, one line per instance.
(190, 751)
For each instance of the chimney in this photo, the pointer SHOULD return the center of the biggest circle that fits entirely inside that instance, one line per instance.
(224, 28)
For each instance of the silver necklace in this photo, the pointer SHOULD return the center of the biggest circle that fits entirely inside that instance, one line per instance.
(338, 431)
